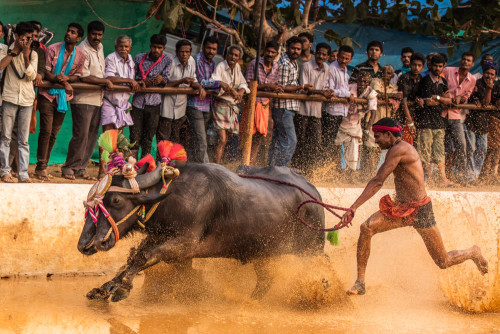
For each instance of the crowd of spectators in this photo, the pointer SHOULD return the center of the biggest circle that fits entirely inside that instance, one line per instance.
(456, 146)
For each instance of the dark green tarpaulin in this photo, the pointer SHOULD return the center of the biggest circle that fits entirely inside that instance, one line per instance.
(57, 14)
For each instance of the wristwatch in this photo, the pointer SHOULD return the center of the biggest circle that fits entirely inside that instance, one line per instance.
(12, 53)
(438, 97)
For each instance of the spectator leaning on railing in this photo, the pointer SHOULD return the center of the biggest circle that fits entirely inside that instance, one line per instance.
(225, 106)
(86, 106)
(173, 110)
(19, 64)
(314, 77)
(64, 64)
(151, 67)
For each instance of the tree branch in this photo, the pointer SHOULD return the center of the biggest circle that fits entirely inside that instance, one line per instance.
(227, 30)
(305, 13)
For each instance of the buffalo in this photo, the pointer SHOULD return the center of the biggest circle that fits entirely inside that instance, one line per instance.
(208, 211)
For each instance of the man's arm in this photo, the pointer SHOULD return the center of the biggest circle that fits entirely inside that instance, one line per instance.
(392, 160)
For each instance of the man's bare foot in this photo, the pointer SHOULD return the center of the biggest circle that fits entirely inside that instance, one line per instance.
(479, 260)
(357, 289)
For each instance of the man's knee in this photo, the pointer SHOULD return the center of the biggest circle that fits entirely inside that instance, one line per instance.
(366, 229)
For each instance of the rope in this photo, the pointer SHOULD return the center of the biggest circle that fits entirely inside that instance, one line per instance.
(127, 28)
(328, 207)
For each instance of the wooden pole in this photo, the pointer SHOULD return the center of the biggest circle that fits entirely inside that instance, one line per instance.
(269, 95)
(250, 117)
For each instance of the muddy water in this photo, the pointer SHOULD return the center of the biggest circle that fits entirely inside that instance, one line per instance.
(307, 296)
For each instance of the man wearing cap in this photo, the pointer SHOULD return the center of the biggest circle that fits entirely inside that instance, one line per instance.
(411, 206)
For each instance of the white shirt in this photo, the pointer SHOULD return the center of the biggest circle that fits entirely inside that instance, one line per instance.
(94, 65)
(235, 79)
(19, 91)
(3, 48)
(318, 78)
(117, 67)
(339, 82)
(174, 106)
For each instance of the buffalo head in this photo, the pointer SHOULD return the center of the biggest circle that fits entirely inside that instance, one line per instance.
(98, 235)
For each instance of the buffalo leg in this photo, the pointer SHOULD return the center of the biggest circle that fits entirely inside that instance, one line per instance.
(264, 278)
(119, 287)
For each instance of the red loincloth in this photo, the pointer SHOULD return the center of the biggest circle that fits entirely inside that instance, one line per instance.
(407, 211)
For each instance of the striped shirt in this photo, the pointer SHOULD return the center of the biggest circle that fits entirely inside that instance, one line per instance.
(204, 70)
(288, 75)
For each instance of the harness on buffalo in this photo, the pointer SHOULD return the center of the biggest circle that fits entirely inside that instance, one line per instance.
(94, 202)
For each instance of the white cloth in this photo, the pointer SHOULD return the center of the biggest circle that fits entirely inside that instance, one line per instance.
(118, 68)
(94, 65)
(19, 91)
(339, 82)
(234, 78)
(174, 106)
(350, 132)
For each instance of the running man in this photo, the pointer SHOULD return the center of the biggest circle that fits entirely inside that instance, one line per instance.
(412, 206)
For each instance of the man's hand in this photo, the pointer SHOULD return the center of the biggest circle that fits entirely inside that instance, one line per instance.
(459, 100)
(26, 46)
(328, 93)
(38, 79)
(352, 99)
(203, 93)
(347, 218)
(62, 78)
(420, 102)
(188, 81)
(158, 79)
(308, 87)
(68, 88)
(276, 88)
(134, 85)
(239, 96)
(142, 84)
(109, 84)
(225, 87)
(490, 83)
(413, 130)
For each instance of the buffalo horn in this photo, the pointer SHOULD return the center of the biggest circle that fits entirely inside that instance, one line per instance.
(143, 169)
(146, 180)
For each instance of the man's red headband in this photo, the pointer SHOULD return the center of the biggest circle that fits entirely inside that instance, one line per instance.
(382, 128)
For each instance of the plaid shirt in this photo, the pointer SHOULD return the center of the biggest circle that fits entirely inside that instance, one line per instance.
(162, 68)
(263, 77)
(288, 75)
(204, 70)
(365, 67)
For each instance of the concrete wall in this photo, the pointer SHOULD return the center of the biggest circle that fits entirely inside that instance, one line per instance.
(40, 225)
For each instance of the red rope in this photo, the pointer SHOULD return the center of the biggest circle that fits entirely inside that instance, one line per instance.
(328, 207)
(112, 26)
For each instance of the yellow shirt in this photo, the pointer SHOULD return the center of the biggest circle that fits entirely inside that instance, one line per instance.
(19, 91)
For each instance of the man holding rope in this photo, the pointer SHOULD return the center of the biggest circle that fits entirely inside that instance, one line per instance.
(412, 206)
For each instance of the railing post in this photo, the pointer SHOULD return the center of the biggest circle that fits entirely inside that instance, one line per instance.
(249, 122)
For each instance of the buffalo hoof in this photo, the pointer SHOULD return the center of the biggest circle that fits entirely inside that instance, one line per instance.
(120, 293)
(98, 293)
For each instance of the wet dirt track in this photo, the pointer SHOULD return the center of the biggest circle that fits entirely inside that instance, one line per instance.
(217, 300)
